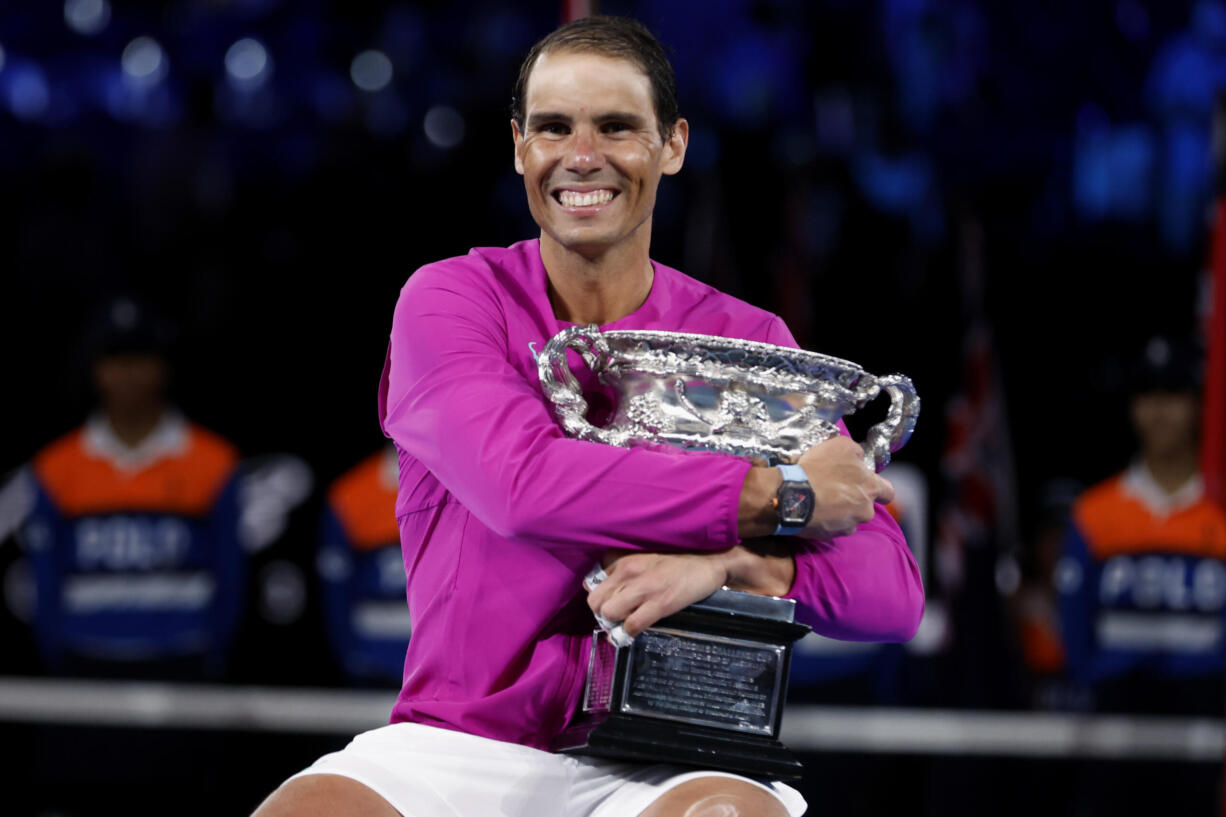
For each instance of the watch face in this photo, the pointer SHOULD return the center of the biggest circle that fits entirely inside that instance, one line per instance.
(795, 504)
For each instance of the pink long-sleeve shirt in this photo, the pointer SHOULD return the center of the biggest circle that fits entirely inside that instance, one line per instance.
(501, 514)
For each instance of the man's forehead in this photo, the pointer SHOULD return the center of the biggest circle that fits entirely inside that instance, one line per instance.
(587, 76)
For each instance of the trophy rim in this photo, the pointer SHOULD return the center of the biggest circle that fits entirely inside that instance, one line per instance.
(724, 343)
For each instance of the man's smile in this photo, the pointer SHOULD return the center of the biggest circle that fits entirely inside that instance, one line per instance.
(582, 199)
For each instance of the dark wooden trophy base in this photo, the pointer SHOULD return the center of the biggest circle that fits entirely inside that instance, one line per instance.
(703, 687)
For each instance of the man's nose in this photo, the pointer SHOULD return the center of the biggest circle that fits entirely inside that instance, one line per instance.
(583, 152)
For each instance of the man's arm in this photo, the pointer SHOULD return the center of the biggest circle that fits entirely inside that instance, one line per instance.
(861, 587)
(454, 402)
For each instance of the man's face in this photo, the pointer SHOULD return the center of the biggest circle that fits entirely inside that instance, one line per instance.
(590, 150)
(130, 381)
(1166, 423)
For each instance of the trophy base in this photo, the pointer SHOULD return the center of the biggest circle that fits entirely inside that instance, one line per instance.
(704, 687)
(625, 737)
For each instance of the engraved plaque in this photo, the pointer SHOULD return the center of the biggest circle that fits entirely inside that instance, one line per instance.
(704, 686)
(711, 680)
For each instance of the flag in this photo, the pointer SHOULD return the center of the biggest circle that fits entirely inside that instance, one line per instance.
(979, 509)
(574, 9)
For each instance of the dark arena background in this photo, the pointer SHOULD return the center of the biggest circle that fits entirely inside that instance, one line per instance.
(1007, 201)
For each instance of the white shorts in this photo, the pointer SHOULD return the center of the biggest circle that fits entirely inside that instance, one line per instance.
(424, 771)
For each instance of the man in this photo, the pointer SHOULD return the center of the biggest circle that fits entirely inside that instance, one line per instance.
(501, 515)
(1142, 578)
(130, 524)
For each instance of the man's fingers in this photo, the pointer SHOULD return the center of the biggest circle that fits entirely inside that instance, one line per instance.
(647, 614)
(619, 605)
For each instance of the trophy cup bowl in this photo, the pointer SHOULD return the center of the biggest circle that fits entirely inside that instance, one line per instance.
(705, 686)
(708, 393)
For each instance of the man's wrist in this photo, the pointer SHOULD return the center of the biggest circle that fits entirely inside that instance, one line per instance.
(764, 566)
(756, 512)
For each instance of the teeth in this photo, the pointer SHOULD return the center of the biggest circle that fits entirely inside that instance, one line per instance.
(571, 198)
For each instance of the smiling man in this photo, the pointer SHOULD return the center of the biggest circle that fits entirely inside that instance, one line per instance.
(501, 515)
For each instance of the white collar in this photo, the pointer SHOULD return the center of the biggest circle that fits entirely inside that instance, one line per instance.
(168, 437)
(1141, 485)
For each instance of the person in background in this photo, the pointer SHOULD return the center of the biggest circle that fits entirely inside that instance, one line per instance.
(362, 572)
(1035, 608)
(1142, 578)
(129, 525)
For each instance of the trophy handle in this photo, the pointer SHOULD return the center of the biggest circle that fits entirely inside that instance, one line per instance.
(892, 433)
(559, 381)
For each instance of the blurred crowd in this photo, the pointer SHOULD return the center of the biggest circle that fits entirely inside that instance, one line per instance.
(213, 204)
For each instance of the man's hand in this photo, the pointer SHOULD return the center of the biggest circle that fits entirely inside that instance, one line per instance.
(844, 488)
(643, 588)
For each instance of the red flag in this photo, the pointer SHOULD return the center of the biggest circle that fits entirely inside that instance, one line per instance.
(574, 9)
(1213, 432)
(980, 507)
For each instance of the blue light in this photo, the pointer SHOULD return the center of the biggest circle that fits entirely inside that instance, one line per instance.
(87, 17)
(248, 64)
(27, 91)
(144, 62)
(371, 70)
(444, 126)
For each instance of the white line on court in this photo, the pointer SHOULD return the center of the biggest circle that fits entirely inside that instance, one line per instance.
(805, 728)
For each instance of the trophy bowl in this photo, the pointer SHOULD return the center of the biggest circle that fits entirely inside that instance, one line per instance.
(709, 393)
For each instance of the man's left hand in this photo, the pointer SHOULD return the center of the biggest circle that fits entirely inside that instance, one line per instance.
(643, 588)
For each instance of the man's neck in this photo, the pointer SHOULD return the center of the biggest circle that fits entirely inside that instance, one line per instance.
(599, 289)
(1172, 470)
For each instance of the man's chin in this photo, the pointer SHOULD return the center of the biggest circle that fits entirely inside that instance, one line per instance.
(587, 243)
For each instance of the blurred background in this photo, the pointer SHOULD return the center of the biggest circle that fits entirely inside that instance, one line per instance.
(208, 208)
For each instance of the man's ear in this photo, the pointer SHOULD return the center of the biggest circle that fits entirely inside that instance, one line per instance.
(674, 148)
(518, 138)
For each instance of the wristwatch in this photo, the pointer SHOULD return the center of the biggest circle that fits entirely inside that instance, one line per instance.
(794, 501)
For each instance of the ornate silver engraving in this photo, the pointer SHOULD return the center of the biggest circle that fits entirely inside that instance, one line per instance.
(708, 393)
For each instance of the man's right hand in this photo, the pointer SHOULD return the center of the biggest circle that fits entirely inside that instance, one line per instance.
(844, 488)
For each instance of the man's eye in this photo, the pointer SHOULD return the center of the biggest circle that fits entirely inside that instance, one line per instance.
(615, 127)
(556, 128)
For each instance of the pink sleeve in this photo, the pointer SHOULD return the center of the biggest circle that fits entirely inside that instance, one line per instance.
(451, 399)
(861, 587)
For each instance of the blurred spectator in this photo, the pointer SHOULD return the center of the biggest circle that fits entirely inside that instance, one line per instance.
(1143, 575)
(130, 524)
(1036, 606)
(363, 573)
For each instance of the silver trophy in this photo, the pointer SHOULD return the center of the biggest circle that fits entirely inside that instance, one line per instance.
(706, 685)
(707, 393)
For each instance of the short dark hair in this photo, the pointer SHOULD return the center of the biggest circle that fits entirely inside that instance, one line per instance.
(616, 37)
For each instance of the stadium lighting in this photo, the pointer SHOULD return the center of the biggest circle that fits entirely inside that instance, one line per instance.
(248, 64)
(28, 92)
(87, 17)
(144, 61)
(371, 70)
(444, 126)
